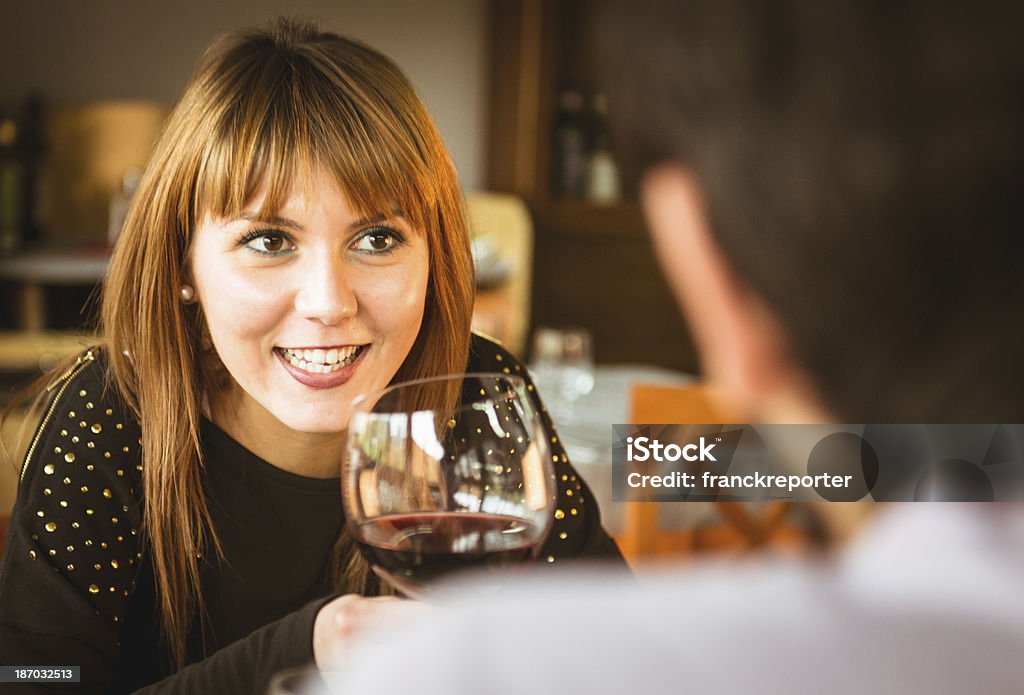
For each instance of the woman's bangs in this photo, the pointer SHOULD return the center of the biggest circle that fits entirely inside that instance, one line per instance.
(379, 171)
(239, 166)
(376, 164)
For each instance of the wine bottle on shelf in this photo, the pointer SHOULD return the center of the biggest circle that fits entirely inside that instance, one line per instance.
(21, 149)
(603, 183)
(570, 155)
(33, 150)
(12, 183)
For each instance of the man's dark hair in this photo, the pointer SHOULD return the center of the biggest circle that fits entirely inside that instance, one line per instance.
(861, 163)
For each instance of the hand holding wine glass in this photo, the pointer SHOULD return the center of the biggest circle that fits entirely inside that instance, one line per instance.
(447, 474)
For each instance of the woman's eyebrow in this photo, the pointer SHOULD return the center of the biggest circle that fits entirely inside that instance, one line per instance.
(292, 224)
(274, 220)
(395, 214)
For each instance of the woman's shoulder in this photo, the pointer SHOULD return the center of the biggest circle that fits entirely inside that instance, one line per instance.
(488, 355)
(77, 517)
(84, 419)
(87, 388)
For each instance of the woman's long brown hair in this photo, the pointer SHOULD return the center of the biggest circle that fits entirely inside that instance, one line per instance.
(265, 107)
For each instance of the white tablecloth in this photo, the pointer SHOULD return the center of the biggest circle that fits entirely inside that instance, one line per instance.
(587, 436)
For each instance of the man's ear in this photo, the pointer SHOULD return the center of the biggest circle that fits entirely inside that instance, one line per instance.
(742, 345)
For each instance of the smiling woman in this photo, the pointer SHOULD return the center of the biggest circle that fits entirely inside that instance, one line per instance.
(297, 239)
(306, 311)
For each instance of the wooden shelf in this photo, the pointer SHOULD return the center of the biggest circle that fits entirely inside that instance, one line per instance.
(593, 263)
(586, 220)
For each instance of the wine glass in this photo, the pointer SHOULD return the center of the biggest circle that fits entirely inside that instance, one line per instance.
(447, 474)
(563, 368)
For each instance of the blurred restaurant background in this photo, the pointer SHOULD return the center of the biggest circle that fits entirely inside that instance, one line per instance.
(567, 277)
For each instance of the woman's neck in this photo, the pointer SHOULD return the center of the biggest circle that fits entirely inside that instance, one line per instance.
(309, 454)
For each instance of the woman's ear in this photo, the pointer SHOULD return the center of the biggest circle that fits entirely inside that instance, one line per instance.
(187, 286)
(742, 345)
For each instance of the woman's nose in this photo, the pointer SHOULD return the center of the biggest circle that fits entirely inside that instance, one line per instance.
(325, 293)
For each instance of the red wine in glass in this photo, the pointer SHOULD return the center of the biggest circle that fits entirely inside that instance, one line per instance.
(430, 489)
(415, 550)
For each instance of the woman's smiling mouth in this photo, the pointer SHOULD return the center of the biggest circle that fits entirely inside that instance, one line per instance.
(321, 367)
(321, 360)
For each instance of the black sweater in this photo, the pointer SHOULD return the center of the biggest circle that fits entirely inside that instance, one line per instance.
(77, 588)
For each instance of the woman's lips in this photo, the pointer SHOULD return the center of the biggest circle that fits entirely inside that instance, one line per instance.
(325, 368)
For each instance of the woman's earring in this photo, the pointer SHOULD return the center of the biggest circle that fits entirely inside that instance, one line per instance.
(188, 295)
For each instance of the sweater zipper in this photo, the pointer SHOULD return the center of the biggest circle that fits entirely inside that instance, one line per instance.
(64, 380)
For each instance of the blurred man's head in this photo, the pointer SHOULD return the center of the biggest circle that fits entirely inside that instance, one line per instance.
(833, 193)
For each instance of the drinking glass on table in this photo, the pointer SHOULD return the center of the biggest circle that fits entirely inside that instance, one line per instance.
(432, 489)
(563, 368)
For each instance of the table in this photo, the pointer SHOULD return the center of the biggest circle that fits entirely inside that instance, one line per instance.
(36, 269)
(587, 436)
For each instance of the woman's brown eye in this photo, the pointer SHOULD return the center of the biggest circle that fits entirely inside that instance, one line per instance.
(379, 242)
(272, 242)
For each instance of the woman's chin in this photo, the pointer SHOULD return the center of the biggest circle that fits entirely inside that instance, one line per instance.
(307, 419)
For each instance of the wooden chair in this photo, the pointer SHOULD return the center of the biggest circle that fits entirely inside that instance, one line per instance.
(744, 525)
(504, 221)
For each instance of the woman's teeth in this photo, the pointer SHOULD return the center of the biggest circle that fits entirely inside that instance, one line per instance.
(321, 361)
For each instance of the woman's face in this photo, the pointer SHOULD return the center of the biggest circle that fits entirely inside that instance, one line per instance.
(310, 308)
